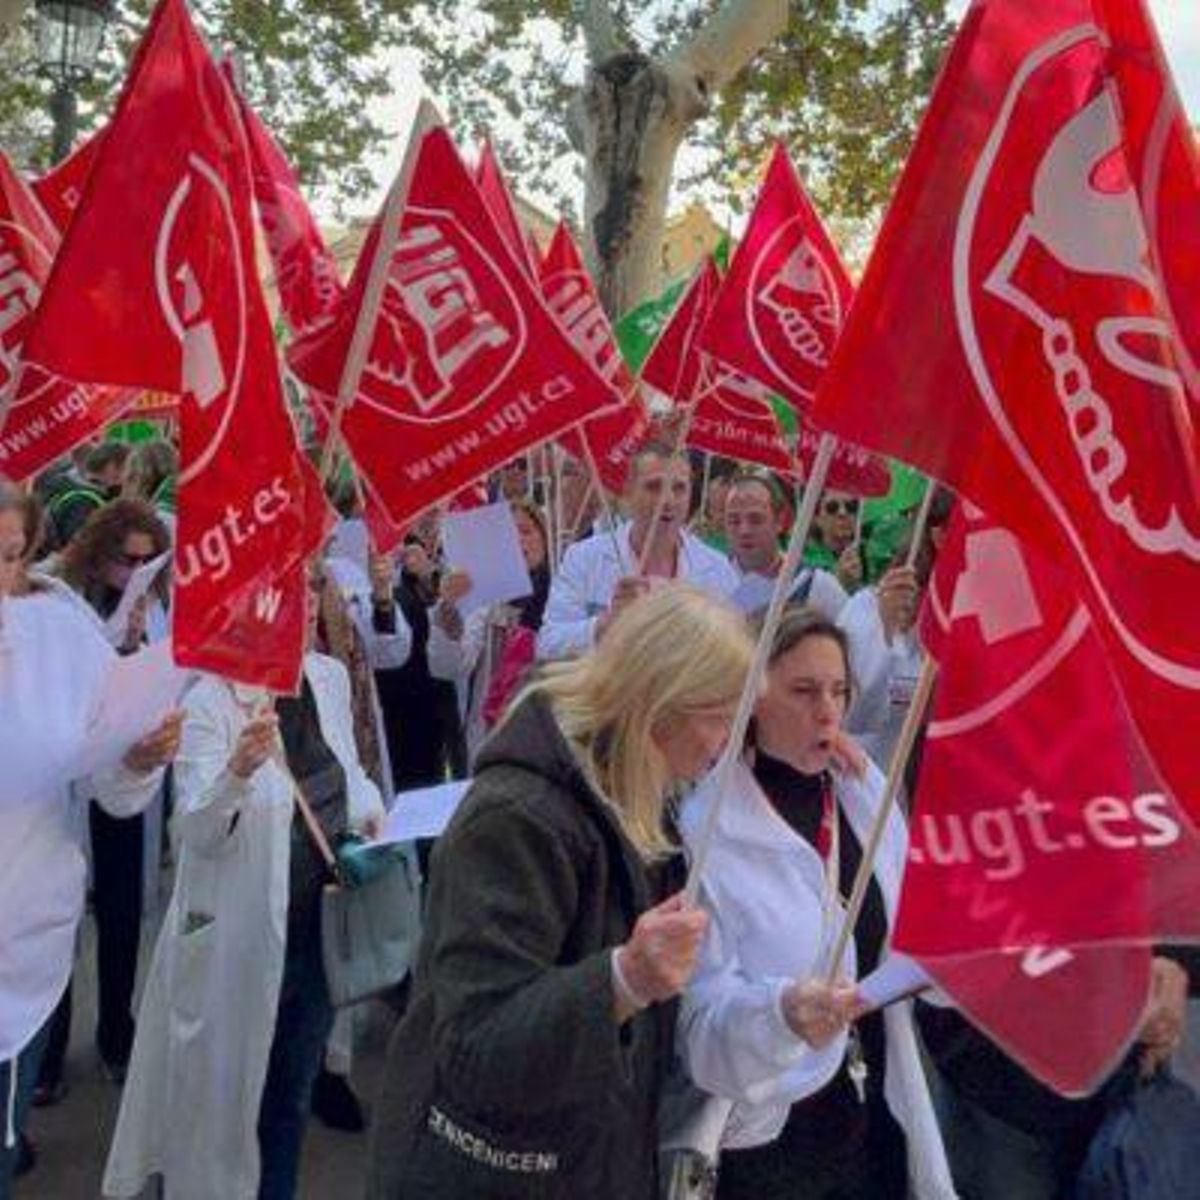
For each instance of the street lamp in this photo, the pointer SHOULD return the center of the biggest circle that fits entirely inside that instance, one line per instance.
(69, 33)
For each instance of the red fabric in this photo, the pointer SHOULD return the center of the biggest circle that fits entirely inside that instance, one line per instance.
(306, 274)
(614, 433)
(731, 413)
(466, 368)
(497, 196)
(781, 308)
(61, 188)
(41, 416)
(1036, 822)
(517, 657)
(1014, 334)
(174, 304)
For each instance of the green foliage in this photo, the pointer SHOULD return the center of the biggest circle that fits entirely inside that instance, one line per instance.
(311, 67)
(844, 87)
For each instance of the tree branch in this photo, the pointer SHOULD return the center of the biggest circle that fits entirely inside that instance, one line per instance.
(599, 29)
(11, 12)
(730, 38)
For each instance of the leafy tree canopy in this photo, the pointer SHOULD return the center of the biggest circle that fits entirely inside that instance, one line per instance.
(844, 86)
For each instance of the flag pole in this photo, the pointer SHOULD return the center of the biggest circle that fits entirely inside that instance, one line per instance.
(900, 756)
(606, 508)
(688, 411)
(732, 753)
(918, 531)
(368, 313)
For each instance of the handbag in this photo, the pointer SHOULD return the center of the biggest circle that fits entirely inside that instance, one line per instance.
(690, 1127)
(1145, 1149)
(370, 913)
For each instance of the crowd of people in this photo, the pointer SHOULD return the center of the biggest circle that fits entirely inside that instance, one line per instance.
(566, 996)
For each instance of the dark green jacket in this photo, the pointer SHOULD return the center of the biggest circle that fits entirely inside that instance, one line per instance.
(510, 1055)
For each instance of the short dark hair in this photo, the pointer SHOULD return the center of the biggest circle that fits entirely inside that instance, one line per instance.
(106, 455)
(656, 448)
(747, 478)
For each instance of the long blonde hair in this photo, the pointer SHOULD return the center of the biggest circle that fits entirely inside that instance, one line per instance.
(672, 654)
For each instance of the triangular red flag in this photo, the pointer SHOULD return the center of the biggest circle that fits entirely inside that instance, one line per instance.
(61, 188)
(41, 416)
(782, 306)
(731, 414)
(175, 304)
(1028, 328)
(1044, 834)
(736, 416)
(497, 195)
(306, 273)
(463, 368)
(612, 435)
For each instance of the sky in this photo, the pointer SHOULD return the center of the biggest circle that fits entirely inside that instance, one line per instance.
(1178, 25)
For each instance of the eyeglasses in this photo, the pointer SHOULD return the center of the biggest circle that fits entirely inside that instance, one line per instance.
(833, 508)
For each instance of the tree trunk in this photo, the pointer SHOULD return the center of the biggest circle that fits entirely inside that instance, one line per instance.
(11, 12)
(631, 119)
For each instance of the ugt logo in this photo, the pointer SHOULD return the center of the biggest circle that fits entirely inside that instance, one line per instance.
(794, 307)
(206, 312)
(450, 327)
(1056, 297)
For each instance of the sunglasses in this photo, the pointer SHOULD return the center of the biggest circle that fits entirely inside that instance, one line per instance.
(833, 508)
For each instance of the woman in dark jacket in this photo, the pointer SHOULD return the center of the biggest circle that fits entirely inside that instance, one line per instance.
(530, 1059)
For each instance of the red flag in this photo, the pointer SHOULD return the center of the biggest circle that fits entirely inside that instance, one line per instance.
(852, 469)
(61, 188)
(735, 415)
(612, 434)
(1037, 821)
(497, 196)
(41, 416)
(1027, 329)
(465, 368)
(306, 274)
(782, 306)
(732, 416)
(174, 304)
(731, 413)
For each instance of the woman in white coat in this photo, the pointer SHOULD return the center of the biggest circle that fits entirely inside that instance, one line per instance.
(819, 1110)
(885, 653)
(53, 667)
(489, 652)
(236, 1009)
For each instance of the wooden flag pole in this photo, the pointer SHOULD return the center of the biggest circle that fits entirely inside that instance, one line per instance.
(756, 677)
(895, 776)
(368, 313)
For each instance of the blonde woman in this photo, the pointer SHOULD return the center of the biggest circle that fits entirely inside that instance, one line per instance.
(530, 1059)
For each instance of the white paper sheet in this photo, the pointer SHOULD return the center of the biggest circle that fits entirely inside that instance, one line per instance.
(753, 593)
(117, 626)
(141, 689)
(424, 812)
(897, 977)
(483, 542)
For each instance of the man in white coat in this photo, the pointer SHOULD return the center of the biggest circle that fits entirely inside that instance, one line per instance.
(755, 516)
(600, 575)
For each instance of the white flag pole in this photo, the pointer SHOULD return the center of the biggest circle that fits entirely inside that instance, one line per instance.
(758, 667)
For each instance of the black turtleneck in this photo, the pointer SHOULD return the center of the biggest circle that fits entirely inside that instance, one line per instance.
(834, 1111)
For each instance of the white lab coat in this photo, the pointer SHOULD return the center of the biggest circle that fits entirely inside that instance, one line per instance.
(207, 1018)
(53, 667)
(821, 589)
(763, 885)
(583, 589)
(885, 677)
